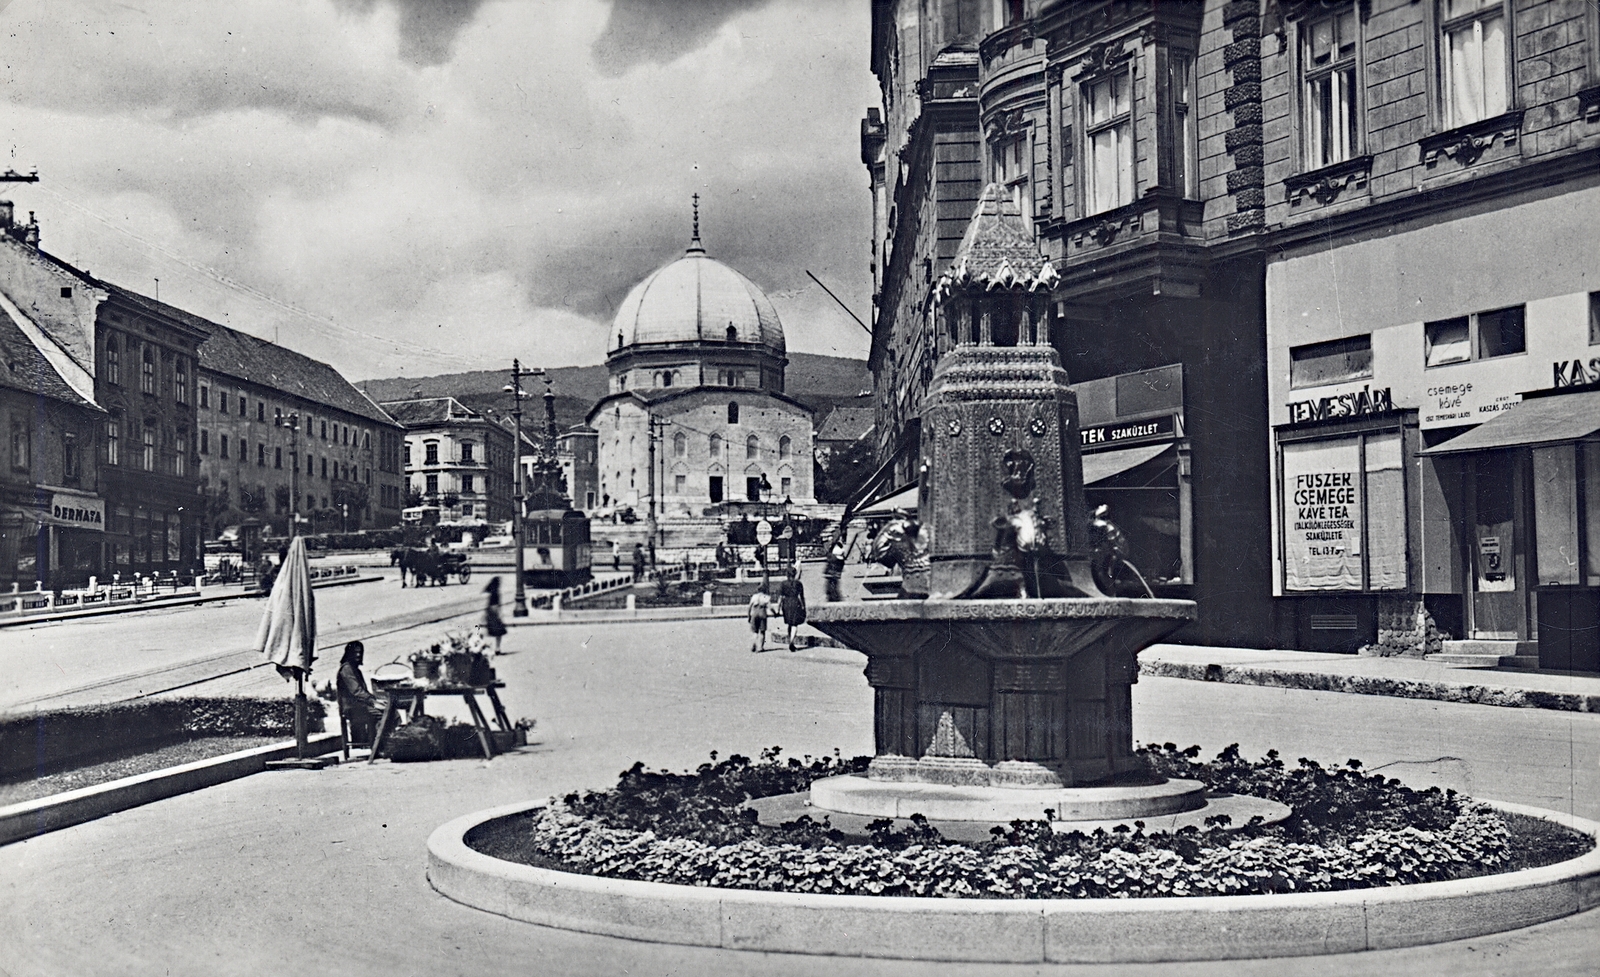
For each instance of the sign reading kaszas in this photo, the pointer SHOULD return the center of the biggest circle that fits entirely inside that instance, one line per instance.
(1322, 515)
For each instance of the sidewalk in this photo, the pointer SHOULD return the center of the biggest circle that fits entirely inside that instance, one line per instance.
(1407, 678)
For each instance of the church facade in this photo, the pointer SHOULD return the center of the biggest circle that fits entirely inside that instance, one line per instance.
(697, 414)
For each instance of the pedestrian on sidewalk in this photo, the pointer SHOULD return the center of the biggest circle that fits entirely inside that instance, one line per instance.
(638, 561)
(833, 569)
(760, 601)
(792, 604)
(492, 622)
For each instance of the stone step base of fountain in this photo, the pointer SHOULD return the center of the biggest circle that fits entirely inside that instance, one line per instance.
(1239, 809)
(959, 802)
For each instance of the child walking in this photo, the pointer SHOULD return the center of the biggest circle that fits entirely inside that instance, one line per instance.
(760, 601)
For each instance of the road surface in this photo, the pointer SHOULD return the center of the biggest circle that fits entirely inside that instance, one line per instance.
(323, 872)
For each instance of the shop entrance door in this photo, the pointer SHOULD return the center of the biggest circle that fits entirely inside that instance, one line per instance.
(1497, 559)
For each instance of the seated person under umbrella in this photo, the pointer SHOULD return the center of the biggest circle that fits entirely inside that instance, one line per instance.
(356, 701)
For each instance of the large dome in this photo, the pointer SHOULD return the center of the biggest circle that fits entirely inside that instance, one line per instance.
(694, 299)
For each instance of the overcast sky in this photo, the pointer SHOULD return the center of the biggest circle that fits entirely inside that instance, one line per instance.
(425, 186)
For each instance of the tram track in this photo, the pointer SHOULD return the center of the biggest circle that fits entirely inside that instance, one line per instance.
(237, 661)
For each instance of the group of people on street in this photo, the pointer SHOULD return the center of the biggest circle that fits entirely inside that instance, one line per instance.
(791, 607)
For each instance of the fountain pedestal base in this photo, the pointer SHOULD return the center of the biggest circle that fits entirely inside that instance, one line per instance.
(999, 805)
(1003, 693)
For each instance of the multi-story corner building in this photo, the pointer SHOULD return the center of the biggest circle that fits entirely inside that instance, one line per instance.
(52, 515)
(1107, 125)
(134, 358)
(1326, 276)
(282, 435)
(1431, 189)
(456, 459)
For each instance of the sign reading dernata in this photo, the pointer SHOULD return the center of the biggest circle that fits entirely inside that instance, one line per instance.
(1131, 432)
(78, 511)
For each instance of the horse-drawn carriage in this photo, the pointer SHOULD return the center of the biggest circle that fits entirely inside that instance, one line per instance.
(430, 565)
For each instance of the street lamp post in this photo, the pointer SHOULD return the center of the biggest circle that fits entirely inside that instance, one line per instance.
(292, 421)
(519, 607)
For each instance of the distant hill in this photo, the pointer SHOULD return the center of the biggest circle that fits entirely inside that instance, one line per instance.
(819, 382)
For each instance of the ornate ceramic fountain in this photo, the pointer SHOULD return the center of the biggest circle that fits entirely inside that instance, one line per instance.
(1008, 690)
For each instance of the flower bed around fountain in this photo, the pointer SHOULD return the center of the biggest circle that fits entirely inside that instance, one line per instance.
(1348, 830)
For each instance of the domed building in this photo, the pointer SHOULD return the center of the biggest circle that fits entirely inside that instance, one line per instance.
(696, 356)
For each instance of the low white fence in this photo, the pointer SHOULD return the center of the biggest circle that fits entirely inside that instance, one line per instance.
(140, 588)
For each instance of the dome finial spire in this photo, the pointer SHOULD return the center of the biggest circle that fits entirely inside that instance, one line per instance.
(695, 247)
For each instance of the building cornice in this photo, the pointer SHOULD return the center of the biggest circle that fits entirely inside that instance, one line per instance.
(1540, 178)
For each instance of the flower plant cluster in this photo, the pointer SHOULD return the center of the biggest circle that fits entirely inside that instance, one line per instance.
(1349, 829)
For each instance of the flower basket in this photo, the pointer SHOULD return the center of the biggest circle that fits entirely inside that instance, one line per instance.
(459, 741)
(505, 740)
(426, 669)
(413, 742)
(458, 668)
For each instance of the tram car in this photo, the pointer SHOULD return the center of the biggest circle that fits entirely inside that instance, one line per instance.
(557, 550)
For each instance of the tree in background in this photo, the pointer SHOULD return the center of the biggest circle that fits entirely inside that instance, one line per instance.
(837, 475)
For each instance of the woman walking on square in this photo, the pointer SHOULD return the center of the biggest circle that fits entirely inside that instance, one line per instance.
(792, 604)
(491, 615)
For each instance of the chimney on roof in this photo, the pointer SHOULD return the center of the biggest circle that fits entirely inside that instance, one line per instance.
(7, 212)
(30, 232)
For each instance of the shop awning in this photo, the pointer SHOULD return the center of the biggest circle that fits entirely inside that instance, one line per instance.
(905, 499)
(1538, 420)
(1101, 465)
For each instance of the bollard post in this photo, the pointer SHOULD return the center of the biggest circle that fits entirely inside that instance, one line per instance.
(633, 605)
(555, 605)
(705, 599)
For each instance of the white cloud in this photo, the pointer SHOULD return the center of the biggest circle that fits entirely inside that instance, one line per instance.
(479, 186)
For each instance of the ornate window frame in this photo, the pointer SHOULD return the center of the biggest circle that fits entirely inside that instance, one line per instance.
(1098, 64)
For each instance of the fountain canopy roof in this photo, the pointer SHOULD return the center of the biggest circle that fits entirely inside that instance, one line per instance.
(998, 249)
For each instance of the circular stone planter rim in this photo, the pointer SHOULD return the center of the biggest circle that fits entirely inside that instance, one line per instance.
(1144, 930)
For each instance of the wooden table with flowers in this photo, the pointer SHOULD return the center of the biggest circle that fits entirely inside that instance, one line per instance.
(466, 675)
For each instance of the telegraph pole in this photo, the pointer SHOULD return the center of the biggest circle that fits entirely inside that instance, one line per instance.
(518, 395)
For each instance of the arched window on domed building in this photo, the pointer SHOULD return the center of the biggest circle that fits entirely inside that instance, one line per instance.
(680, 445)
(785, 447)
(752, 447)
(716, 446)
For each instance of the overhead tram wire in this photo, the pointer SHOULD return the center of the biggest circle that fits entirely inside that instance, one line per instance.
(837, 299)
(397, 345)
